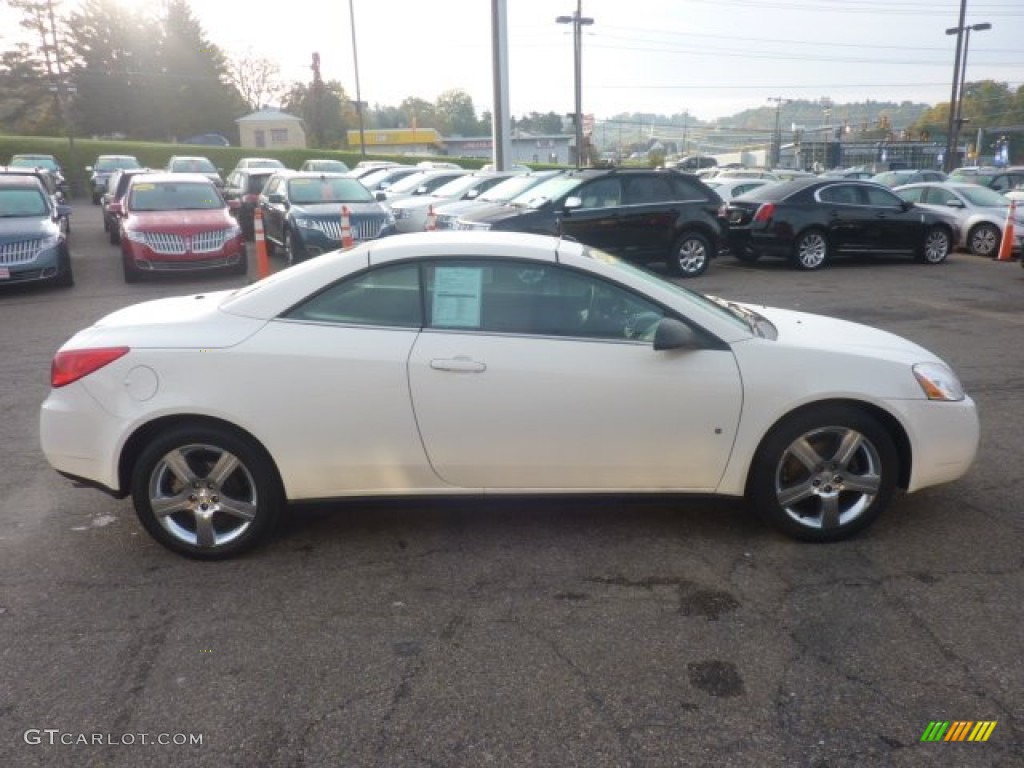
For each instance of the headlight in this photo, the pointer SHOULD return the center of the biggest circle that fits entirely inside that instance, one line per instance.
(307, 224)
(938, 382)
(134, 236)
(475, 226)
(389, 218)
(51, 241)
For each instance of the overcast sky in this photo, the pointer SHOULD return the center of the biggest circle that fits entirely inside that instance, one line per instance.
(708, 57)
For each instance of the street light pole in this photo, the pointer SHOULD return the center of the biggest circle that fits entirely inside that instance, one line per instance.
(578, 21)
(355, 61)
(960, 119)
(947, 160)
(777, 136)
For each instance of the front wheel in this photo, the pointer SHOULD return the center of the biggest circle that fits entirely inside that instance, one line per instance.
(824, 474)
(206, 492)
(293, 252)
(984, 239)
(690, 255)
(936, 247)
(811, 250)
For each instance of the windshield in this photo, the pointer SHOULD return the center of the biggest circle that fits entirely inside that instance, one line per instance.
(409, 183)
(511, 188)
(22, 203)
(327, 189)
(984, 197)
(174, 196)
(34, 161)
(327, 166)
(113, 163)
(192, 165)
(458, 186)
(549, 190)
(731, 312)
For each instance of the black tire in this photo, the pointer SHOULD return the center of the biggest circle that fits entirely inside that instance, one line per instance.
(811, 250)
(802, 485)
(984, 239)
(131, 275)
(937, 245)
(115, 235)
(95, 199)
(746, 254)
(690, 255)
(65, 275)
(293, 253)
(219, 492)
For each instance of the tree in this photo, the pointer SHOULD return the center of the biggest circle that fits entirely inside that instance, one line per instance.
(196, 94)
(30, 75)
(325, 109)
(456, 115)
(418, 113)
(256, 78)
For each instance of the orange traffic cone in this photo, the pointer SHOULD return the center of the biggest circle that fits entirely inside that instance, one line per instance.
(431, 219)
(346, 229)
(1006, 244)
(262, 260)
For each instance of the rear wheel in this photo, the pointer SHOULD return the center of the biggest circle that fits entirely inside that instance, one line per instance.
(206, 492)
(690, 255)
(824, 474)
(984, 239)
(936, 247)
(811, 250)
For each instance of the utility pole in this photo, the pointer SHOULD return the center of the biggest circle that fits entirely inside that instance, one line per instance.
(355, 61)
(578, 21)
(947, 160)
(776, 153)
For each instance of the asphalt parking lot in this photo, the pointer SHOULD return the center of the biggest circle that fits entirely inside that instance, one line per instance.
(565, 632)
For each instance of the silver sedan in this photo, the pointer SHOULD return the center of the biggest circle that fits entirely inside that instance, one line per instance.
(980, 212)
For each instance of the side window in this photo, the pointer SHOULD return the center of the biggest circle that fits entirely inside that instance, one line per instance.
(916, 195)
(882, 198)
(385, 296)
(687, 188)
(840, 194)
(648, 189)
(602, 193)
(1001, 183)
(533, 298)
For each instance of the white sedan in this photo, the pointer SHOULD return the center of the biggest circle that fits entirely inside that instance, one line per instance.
(477, 362)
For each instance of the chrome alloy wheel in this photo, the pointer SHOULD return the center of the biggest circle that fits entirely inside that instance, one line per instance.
(202, 495)
(811, 250)
(936, 246)
(692, 256)
(828, 477)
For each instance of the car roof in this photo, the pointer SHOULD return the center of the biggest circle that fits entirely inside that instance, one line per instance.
(163, 177)
(21, 180)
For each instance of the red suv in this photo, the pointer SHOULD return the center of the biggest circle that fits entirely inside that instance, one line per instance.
(174, 222)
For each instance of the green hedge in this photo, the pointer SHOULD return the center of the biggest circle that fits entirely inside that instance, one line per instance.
(156, 155)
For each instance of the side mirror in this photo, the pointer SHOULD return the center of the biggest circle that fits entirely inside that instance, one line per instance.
(572, 203)
(674, 334)
(906, 205)
(472, 194)
(379, 196)
(115, 208)
(63, 210)
(955, 203)
(275, 197)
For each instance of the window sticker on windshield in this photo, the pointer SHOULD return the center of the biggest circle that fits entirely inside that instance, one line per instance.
(144, 187)
(457, 293)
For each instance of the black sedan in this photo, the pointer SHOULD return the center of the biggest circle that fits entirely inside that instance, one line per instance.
(808, 221)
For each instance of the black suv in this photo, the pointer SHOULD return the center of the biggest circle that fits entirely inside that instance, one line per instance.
(117, 187)
(245, 185)
(641, 215)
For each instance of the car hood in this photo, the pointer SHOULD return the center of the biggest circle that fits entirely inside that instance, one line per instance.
(177, 322)
(496, 213)
(809, 331)
(25, 228)
(179, 222)
(324, 210)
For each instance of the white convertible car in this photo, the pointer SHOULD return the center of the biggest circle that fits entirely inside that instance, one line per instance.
(475, 362)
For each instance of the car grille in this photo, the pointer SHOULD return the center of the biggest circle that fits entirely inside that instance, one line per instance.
(446, 221)
(20, 252)
(363, 229)
(177, 245)
(175, 266)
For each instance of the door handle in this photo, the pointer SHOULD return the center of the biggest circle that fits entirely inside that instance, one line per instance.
(458, 365)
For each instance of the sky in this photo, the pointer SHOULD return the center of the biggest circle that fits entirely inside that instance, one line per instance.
(710, 58)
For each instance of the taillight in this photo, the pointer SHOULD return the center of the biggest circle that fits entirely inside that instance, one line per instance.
(72, 364)
(765, 212)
